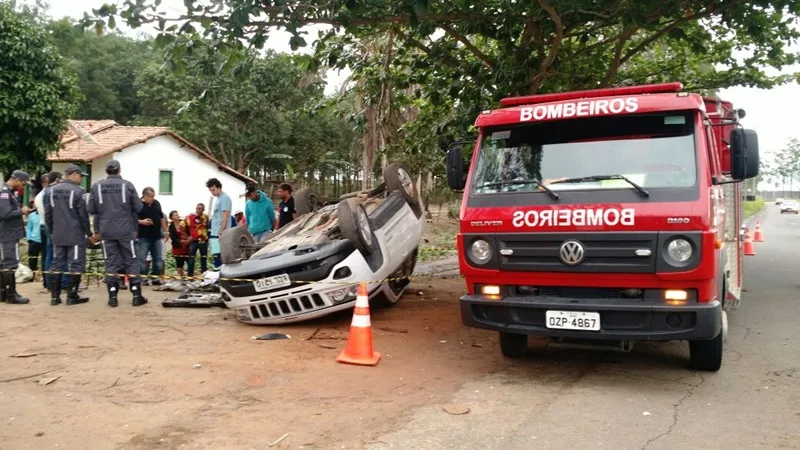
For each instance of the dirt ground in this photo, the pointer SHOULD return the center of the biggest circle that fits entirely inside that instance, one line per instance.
(154, 377)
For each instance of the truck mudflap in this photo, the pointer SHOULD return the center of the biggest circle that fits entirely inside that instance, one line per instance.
(618, 319)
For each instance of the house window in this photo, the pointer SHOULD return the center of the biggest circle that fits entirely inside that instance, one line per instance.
(165, 182)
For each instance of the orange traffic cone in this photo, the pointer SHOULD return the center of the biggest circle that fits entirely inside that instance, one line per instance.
(359, 343)
(749, 250)
(758, 237)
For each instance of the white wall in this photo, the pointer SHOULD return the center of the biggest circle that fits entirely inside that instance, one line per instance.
(141, 164)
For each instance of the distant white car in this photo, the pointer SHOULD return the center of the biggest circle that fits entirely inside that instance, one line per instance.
(311, 267)
(790, 206)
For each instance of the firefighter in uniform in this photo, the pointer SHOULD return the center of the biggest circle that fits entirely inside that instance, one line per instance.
(115, 206)
(68, 220)
(12, 230)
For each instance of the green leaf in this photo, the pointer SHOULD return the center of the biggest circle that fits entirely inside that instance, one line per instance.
(296, 42)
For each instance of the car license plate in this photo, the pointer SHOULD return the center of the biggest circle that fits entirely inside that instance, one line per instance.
(274, 282)
(573, 320)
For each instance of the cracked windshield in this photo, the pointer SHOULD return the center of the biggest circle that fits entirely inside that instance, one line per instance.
(652, 151)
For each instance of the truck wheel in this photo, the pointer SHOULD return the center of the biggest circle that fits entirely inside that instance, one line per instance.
(306, 200)
(397, 178)
(513, 345)
(231, 242)
(354, 225)
(706, 355)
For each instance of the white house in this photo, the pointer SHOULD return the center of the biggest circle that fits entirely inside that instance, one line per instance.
(149, 157)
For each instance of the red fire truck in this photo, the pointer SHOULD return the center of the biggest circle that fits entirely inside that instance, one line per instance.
(604, 217)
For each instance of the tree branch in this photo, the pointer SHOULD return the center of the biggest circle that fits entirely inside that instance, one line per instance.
(660, 33)
(528, 34)
(614, 66)
(555, 46)
(428, 51)
(475, 50)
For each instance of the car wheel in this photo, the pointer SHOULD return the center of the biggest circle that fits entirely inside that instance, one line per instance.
(397, 178)
(306, 200)
(513, 345)
(354, 225)
(231, 243)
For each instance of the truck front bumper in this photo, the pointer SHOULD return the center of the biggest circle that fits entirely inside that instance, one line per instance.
(620, 319)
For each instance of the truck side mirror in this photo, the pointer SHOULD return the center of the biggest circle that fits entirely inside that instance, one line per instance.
(744, 154)
(455, 169)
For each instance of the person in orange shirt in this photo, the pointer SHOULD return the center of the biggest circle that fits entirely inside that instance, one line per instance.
(197, 226)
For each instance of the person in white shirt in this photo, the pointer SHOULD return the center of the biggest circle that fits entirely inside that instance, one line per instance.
(38, 202)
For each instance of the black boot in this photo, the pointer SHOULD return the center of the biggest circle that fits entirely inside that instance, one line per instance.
(54, 282)
(113, 290)
(12, 296)
(72, 295)
(138, 298)
(2, 287)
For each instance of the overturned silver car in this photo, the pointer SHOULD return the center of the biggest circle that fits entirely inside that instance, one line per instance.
(312, 267)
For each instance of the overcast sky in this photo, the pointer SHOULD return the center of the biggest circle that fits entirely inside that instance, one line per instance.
(768, 111)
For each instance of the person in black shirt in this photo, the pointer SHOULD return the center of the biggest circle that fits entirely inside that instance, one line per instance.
(287, 212)
(152, 234)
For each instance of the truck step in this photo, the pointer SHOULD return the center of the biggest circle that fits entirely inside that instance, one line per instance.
(619, 346)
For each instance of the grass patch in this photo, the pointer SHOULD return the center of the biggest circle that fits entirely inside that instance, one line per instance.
(753, 207)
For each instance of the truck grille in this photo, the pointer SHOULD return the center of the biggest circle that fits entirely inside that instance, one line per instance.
(604, 252)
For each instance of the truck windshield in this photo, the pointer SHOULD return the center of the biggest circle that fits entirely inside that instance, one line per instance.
(650, 150)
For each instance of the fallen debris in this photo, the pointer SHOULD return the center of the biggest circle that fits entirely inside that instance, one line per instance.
(271, 337)
(194, 300)
(456, 409)
(48, 380)
(8, 380)
(279, 440)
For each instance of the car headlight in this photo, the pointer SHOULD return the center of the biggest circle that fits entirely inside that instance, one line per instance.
(679, 250)
(481, 251)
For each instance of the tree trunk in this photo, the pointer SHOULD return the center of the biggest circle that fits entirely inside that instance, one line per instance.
(370, 147)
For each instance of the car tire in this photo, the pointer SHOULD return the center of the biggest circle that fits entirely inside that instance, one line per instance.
(231, 242)
(354, 225)
(306, 200)
(513, 345)
(397, 178)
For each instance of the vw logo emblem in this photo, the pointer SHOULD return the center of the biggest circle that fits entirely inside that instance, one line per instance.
(572, 253)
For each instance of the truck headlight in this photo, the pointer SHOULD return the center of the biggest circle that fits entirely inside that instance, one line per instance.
(679, 250)
(481, 251)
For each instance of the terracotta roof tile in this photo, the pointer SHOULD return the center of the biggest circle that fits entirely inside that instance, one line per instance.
(111, 137)
(90, 126)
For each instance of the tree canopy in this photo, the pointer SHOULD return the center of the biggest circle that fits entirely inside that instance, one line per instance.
(441, 63)
(37, 94)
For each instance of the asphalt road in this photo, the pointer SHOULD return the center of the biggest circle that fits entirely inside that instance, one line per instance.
(648, 398)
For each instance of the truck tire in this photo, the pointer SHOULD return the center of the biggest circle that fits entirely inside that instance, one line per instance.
(354, 224)
(231, 242)
(306, 200)
(707, 355)
(513, 345)
(397, 178)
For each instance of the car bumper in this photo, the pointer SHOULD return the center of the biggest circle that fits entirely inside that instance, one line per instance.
(619, 319)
